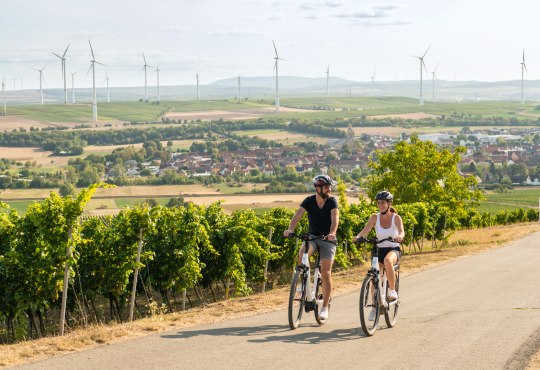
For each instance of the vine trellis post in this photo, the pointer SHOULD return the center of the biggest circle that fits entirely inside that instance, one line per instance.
(270, 231)
(135, 275)
(66, 282)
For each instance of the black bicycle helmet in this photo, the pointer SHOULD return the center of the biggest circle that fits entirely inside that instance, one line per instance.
(321, 180)
(384, 195)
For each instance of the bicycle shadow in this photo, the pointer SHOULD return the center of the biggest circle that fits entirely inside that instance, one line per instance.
(314, 337)
(275, 333)
(241, 331)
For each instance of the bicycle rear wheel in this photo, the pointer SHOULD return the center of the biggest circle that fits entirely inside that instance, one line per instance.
(369, 305)
(318, 306)
(297, 297)
(390, 314)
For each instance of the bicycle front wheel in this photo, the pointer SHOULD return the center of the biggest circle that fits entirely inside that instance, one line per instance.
(390, 315)
(369, 305)
(297, 297)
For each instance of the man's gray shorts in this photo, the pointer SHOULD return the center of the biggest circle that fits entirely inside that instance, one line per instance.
(328, 249)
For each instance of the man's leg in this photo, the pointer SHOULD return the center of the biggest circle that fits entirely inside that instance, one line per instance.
(326, 273)
(301, 252)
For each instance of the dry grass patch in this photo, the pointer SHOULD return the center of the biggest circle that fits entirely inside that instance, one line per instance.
(462, 243)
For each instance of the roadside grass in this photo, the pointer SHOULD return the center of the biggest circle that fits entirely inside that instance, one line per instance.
(461, 243)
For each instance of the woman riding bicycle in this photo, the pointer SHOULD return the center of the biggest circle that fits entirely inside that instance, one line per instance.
(387, 223)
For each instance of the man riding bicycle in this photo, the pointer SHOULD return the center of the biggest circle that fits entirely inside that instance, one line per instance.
(323, 216)
(387, 223)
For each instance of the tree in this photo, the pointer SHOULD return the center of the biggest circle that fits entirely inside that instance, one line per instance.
(420, 171)
(66, 189)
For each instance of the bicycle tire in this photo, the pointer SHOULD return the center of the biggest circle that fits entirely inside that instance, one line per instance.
(297, 299)
(369, 299)
(390, 315)
(318, 290)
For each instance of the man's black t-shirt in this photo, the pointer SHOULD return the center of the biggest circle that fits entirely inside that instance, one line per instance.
(319, 218)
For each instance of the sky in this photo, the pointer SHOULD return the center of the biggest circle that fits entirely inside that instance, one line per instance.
(479, 40)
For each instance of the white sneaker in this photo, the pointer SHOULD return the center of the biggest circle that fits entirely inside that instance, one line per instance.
(392, 295)
(371, 315)
(323, 315)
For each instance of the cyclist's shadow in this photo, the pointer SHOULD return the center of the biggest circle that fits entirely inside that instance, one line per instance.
(274, 333)
(313, 337)
(241, 331)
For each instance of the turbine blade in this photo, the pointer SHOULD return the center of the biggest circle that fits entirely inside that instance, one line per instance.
(524, 66)
(426, 51)
(275, 49)
(101, 64)
(91, 65)
(92, 50)
(57, 56)
(144, 58)
(63, 55)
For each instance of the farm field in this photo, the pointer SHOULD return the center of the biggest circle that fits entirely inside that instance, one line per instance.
(27, 116)
(519, 197)
(283, 136)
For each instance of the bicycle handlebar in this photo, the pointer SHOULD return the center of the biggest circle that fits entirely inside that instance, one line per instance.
(306, 237)
(373, 240)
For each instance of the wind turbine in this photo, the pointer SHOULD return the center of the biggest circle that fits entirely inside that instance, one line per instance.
(4, 94)
(372, 78)
(63, 59)
(434, 77)
(93, 68)
(239, 88)
(523, 68)
(41, 80)
(276, 58)
(197, 77)
(158, 94)
(145, 80)
(422, 64)
(73, 87)
(327, 81)
(107, 79)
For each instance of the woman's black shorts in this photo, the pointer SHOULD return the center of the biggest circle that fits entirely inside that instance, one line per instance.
(384, 251)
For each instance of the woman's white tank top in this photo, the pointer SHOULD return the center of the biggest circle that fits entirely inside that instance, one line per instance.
(383, 233)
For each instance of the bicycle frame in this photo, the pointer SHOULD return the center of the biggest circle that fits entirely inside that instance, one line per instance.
(310, 289)
(375, 272)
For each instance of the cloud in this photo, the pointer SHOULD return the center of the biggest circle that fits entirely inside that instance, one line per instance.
(368, 23)
(238, 32)
(310, 17)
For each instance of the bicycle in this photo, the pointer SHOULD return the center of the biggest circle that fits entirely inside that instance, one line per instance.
(374, 292)
(303, 296)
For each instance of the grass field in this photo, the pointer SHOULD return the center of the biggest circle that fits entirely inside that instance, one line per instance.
(344, 107)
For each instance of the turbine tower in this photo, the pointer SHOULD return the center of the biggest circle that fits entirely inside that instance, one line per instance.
(523, 69)
(239, 88)
(145, 80)
(107, 79)
(276, 58)
(73, 87)
(158, 94)
(93, 68)
(327, 81)
(422, 64)
(63, 59)
(434, 77)
(197, 77)
(41, 80)
(4, 94)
